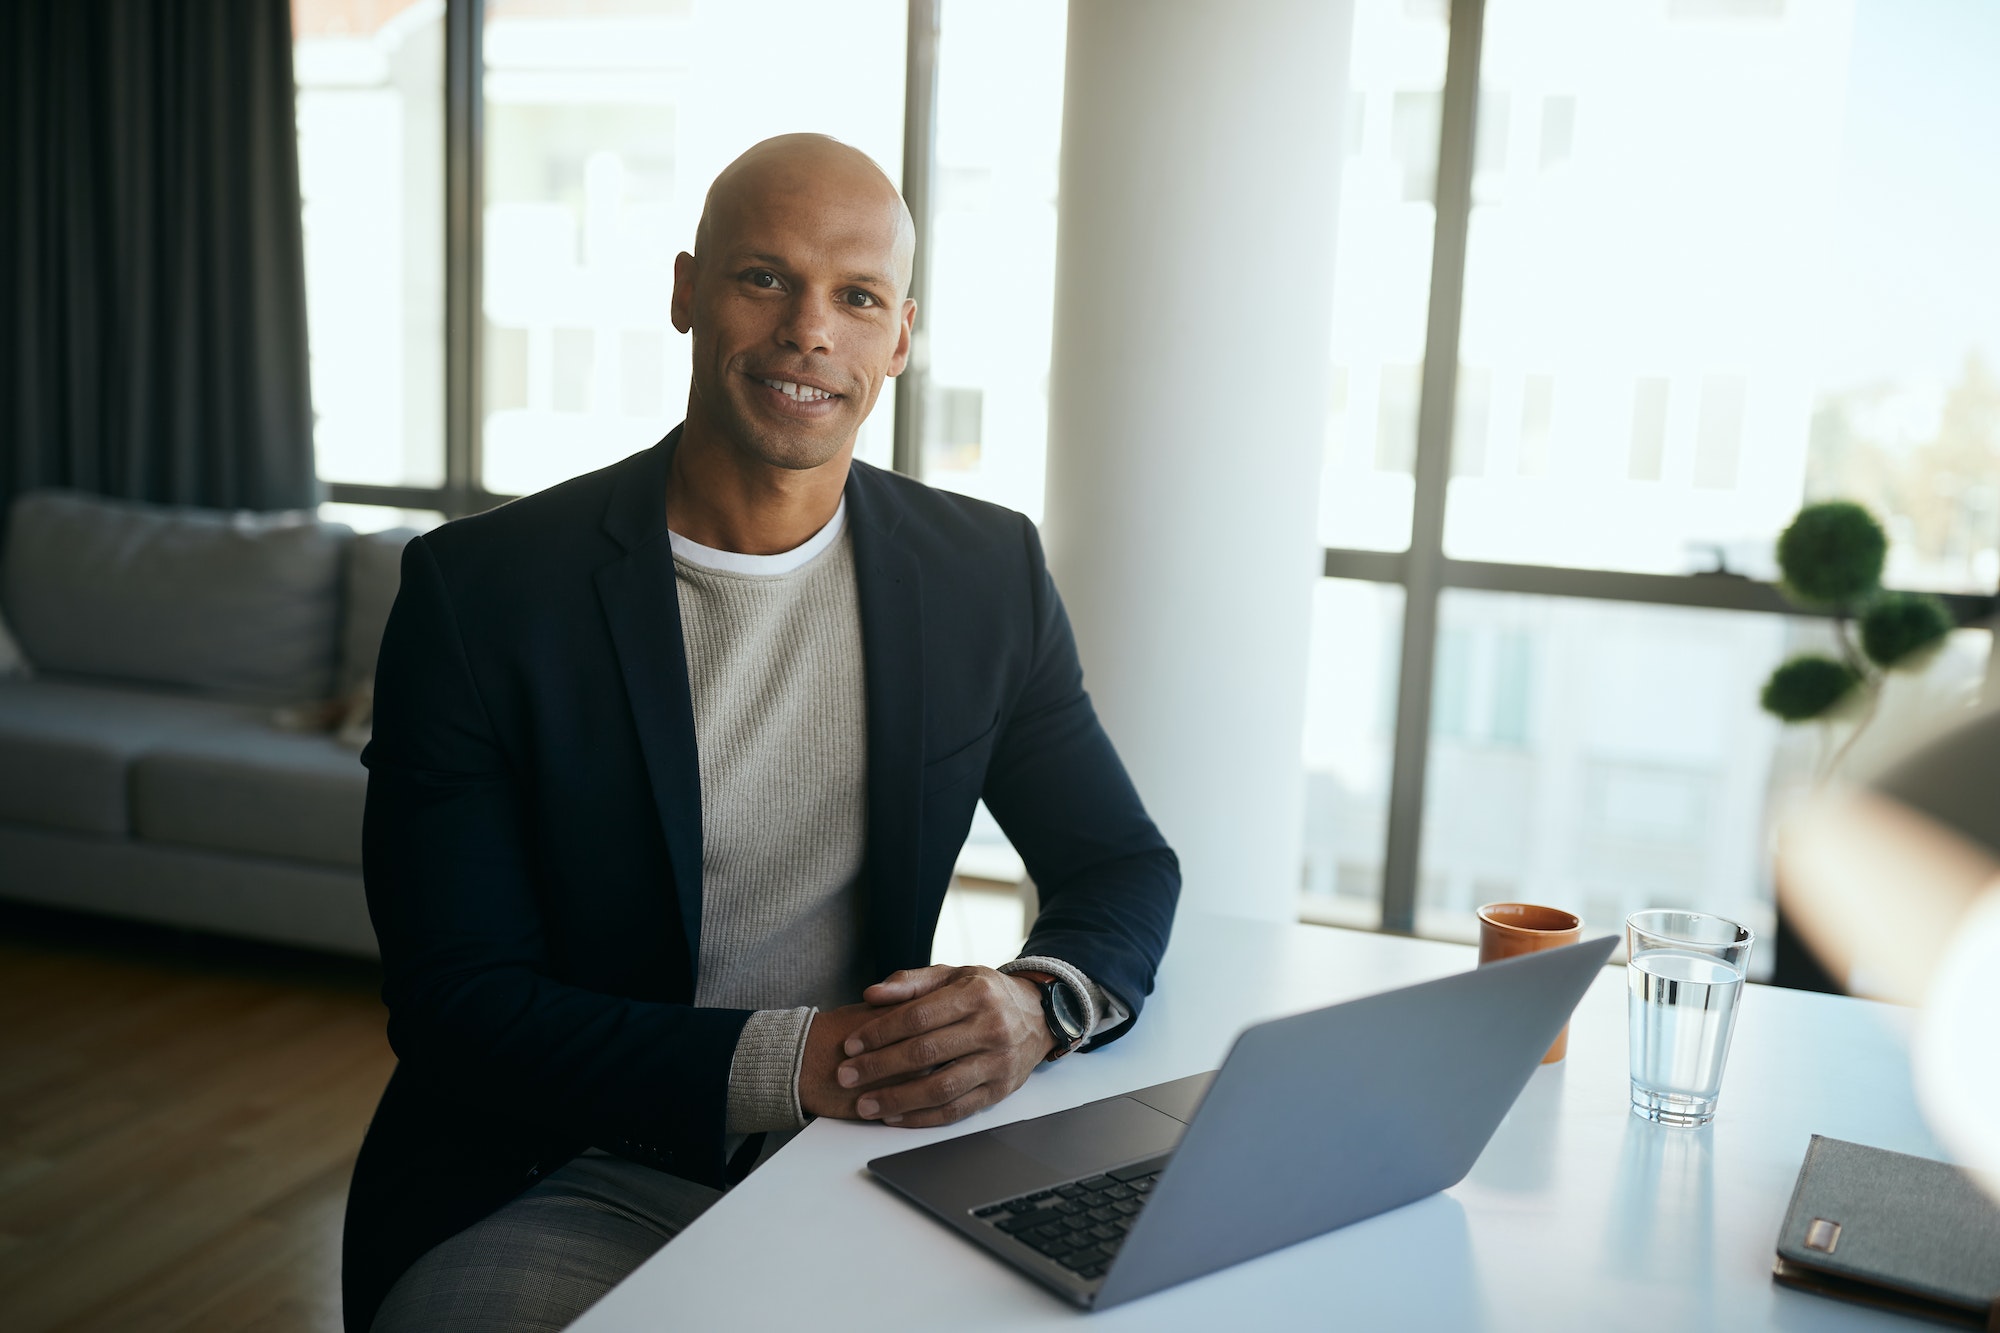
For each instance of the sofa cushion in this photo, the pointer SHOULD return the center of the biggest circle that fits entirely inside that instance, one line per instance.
(318, 907)
(238, 605)
(66, 747)
(247, 787)
(374, 571)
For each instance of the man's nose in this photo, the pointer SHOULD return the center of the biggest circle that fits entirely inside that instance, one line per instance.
(808, 322)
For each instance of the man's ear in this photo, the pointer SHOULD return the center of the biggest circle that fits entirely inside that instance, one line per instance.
(682, 307)
(902, 356)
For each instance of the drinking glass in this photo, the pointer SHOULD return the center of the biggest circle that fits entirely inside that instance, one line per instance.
(1683, 978)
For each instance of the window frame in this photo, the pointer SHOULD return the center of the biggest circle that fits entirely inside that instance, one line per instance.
(462, 492)
(1424, 570)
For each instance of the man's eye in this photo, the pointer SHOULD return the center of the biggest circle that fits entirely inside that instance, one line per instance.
(762, 278)
(863, 299)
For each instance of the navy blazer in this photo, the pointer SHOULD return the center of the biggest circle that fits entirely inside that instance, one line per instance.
(532, 843)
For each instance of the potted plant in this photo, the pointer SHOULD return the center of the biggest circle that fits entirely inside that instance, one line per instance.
(1830, 561)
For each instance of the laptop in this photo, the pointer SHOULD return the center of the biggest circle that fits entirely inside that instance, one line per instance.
(1312, 1122)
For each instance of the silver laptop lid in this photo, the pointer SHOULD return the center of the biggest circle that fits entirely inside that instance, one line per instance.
(1324, 1118)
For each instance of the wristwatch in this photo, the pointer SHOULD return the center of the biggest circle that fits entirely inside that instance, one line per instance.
(1060, 1011)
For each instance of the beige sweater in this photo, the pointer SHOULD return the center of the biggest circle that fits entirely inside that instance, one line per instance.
(775, 665)
(774, 662)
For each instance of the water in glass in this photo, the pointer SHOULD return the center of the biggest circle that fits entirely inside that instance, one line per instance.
(1681, 1008)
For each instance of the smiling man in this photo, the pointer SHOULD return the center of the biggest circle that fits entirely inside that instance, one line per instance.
(670, 769)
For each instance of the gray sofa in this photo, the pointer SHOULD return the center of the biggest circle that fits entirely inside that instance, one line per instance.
(150, 761)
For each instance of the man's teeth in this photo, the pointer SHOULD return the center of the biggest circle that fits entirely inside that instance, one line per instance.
(800, 393)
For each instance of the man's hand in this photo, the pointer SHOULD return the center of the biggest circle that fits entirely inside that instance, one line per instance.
(820, 1092)
(957, 1039)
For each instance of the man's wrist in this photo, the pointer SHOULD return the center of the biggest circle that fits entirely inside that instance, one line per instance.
(764, 1072)
(1082, 994)
(1067, 1008)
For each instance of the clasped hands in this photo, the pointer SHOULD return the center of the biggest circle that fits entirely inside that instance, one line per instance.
(926, 1047)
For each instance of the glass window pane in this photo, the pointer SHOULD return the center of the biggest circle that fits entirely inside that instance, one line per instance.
(987, 322)
(1605, 757)
(605, 122)
(370, 77)
(379, 518)
(1357, 631)
(1382, 271)
(1726, 258)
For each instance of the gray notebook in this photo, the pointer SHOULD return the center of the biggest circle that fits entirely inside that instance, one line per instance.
(1894, 1231)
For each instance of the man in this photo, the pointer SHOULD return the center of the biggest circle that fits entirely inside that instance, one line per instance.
(673, 760)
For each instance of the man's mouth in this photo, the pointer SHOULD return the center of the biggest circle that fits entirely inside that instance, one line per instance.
(798, 393)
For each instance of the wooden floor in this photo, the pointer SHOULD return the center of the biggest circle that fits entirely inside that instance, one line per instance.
(178, 1117)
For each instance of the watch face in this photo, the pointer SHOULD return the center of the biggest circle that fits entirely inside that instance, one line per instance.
(1065, 1010)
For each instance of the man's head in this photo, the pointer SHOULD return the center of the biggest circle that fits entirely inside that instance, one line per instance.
(797, 297)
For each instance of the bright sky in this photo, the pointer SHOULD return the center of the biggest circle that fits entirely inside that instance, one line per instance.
(1920, 195)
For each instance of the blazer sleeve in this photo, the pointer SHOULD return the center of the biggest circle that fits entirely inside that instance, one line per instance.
(1108, 881)
(473, 1007)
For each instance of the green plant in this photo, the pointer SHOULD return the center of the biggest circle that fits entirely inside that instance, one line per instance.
(1830, 561)
(1808, 687)
(1832, 555)
(1903, 629)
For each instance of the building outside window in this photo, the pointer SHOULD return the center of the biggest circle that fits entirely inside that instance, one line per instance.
(987, 324)
(1724, 266)
(604, 123)
(371, 153)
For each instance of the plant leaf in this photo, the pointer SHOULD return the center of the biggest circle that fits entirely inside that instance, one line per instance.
(1898, 628)
(1808, 687)
(1832, 554)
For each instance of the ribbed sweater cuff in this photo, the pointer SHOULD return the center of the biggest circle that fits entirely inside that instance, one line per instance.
(764, 1076)
(1101, 1008)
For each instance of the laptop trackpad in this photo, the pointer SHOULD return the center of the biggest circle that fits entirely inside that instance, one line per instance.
(1094, 1137)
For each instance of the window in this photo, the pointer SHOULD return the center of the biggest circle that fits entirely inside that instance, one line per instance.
(1614, 758)
(985, 326)
(1558, 130)
(605, 120)
(1538, 410)
(1719, 259)
(380, 518)
(598, 125)
(1382, 260)
(1708, 259)
(1718, 437)
(1350, 725)
(953, 424)
(1611, 757)
(1468, 449)
(1775, 222)
(370, 79)
(1649, 427)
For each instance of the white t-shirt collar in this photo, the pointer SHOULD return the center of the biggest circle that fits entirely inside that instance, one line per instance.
(732, 562)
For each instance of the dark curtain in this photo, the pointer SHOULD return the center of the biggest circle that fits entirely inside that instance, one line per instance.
(155, 321)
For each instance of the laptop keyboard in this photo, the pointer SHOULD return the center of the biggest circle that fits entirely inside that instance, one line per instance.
(1081, 1224)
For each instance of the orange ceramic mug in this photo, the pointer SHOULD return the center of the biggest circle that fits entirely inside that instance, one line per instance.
(1507, 929)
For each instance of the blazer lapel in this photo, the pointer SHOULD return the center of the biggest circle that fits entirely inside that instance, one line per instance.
(892, 649)
(642, 606)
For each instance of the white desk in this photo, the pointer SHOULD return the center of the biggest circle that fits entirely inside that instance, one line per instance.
(1578, 1215)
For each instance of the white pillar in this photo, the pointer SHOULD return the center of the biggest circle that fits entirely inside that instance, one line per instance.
(1187, 407)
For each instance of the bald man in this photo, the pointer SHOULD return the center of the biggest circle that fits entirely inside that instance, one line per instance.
(671, 766)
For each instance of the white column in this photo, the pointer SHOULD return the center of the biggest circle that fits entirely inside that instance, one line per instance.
(1187, 407)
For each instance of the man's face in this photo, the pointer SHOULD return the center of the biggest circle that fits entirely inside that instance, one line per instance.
(797, 313)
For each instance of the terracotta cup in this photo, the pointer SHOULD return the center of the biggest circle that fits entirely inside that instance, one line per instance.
(1507, 929)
